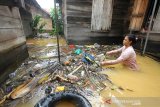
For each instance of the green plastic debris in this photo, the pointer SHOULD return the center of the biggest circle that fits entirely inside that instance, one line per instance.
(78, 51)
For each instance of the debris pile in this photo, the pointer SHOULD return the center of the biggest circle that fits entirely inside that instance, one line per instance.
(41, 74)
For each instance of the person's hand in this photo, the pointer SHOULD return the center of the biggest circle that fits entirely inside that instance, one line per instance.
(105, 63)
(102, 63)
(108, 53)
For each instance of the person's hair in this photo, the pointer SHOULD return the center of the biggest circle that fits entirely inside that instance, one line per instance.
(132, 38)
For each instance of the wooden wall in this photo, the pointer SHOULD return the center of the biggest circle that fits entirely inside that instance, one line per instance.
(12, 39)
(77, 19)
(15, 18)
(11, 29)
(101, 15)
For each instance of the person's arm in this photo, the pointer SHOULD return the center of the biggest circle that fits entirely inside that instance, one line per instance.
(114, 51)
(123, 57)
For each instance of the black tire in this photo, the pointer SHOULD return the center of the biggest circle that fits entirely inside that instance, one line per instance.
(52, 99)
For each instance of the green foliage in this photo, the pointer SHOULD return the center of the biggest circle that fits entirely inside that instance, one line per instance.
(53, 32)
(59, 29)
(41, 30)
(36, 26)
(35, 22)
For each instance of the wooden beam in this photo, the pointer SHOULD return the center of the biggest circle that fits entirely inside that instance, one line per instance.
(12, 12)
(79, 8)
(8, 22)
(8, 34)
(7, 45)
(138, 13)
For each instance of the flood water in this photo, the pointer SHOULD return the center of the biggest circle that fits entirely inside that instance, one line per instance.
(144, 83)
(64, 103)
(44, 42)
(136, 84)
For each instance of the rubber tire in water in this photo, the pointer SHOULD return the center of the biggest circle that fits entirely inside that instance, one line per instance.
(52, 99)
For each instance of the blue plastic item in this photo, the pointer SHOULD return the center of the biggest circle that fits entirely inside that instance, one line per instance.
(88, 58)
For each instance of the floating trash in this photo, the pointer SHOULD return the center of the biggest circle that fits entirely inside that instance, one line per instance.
(78, 71)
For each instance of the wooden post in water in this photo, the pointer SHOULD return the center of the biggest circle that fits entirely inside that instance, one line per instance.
(56, 25)
(149, 29)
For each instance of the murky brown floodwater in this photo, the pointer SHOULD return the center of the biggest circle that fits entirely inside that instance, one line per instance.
(65, 104)
(44, 42)
(141, 84)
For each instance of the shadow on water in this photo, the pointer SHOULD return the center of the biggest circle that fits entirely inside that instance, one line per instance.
(10, 61)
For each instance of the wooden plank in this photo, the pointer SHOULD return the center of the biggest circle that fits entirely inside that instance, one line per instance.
(138, 13)
(100, 40)
(86, 4)
(84, 1)
(143, 7)
(78, 19)
(136, 23)
(78, 13)
(8, 22)
(154, 37)
(8, 34)
(84, 25)
(78, 16)
(4, 46)
(84, 32)
(79, 8)
(9, 12)
(122, 3)
(78, 22)
(101, 15)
